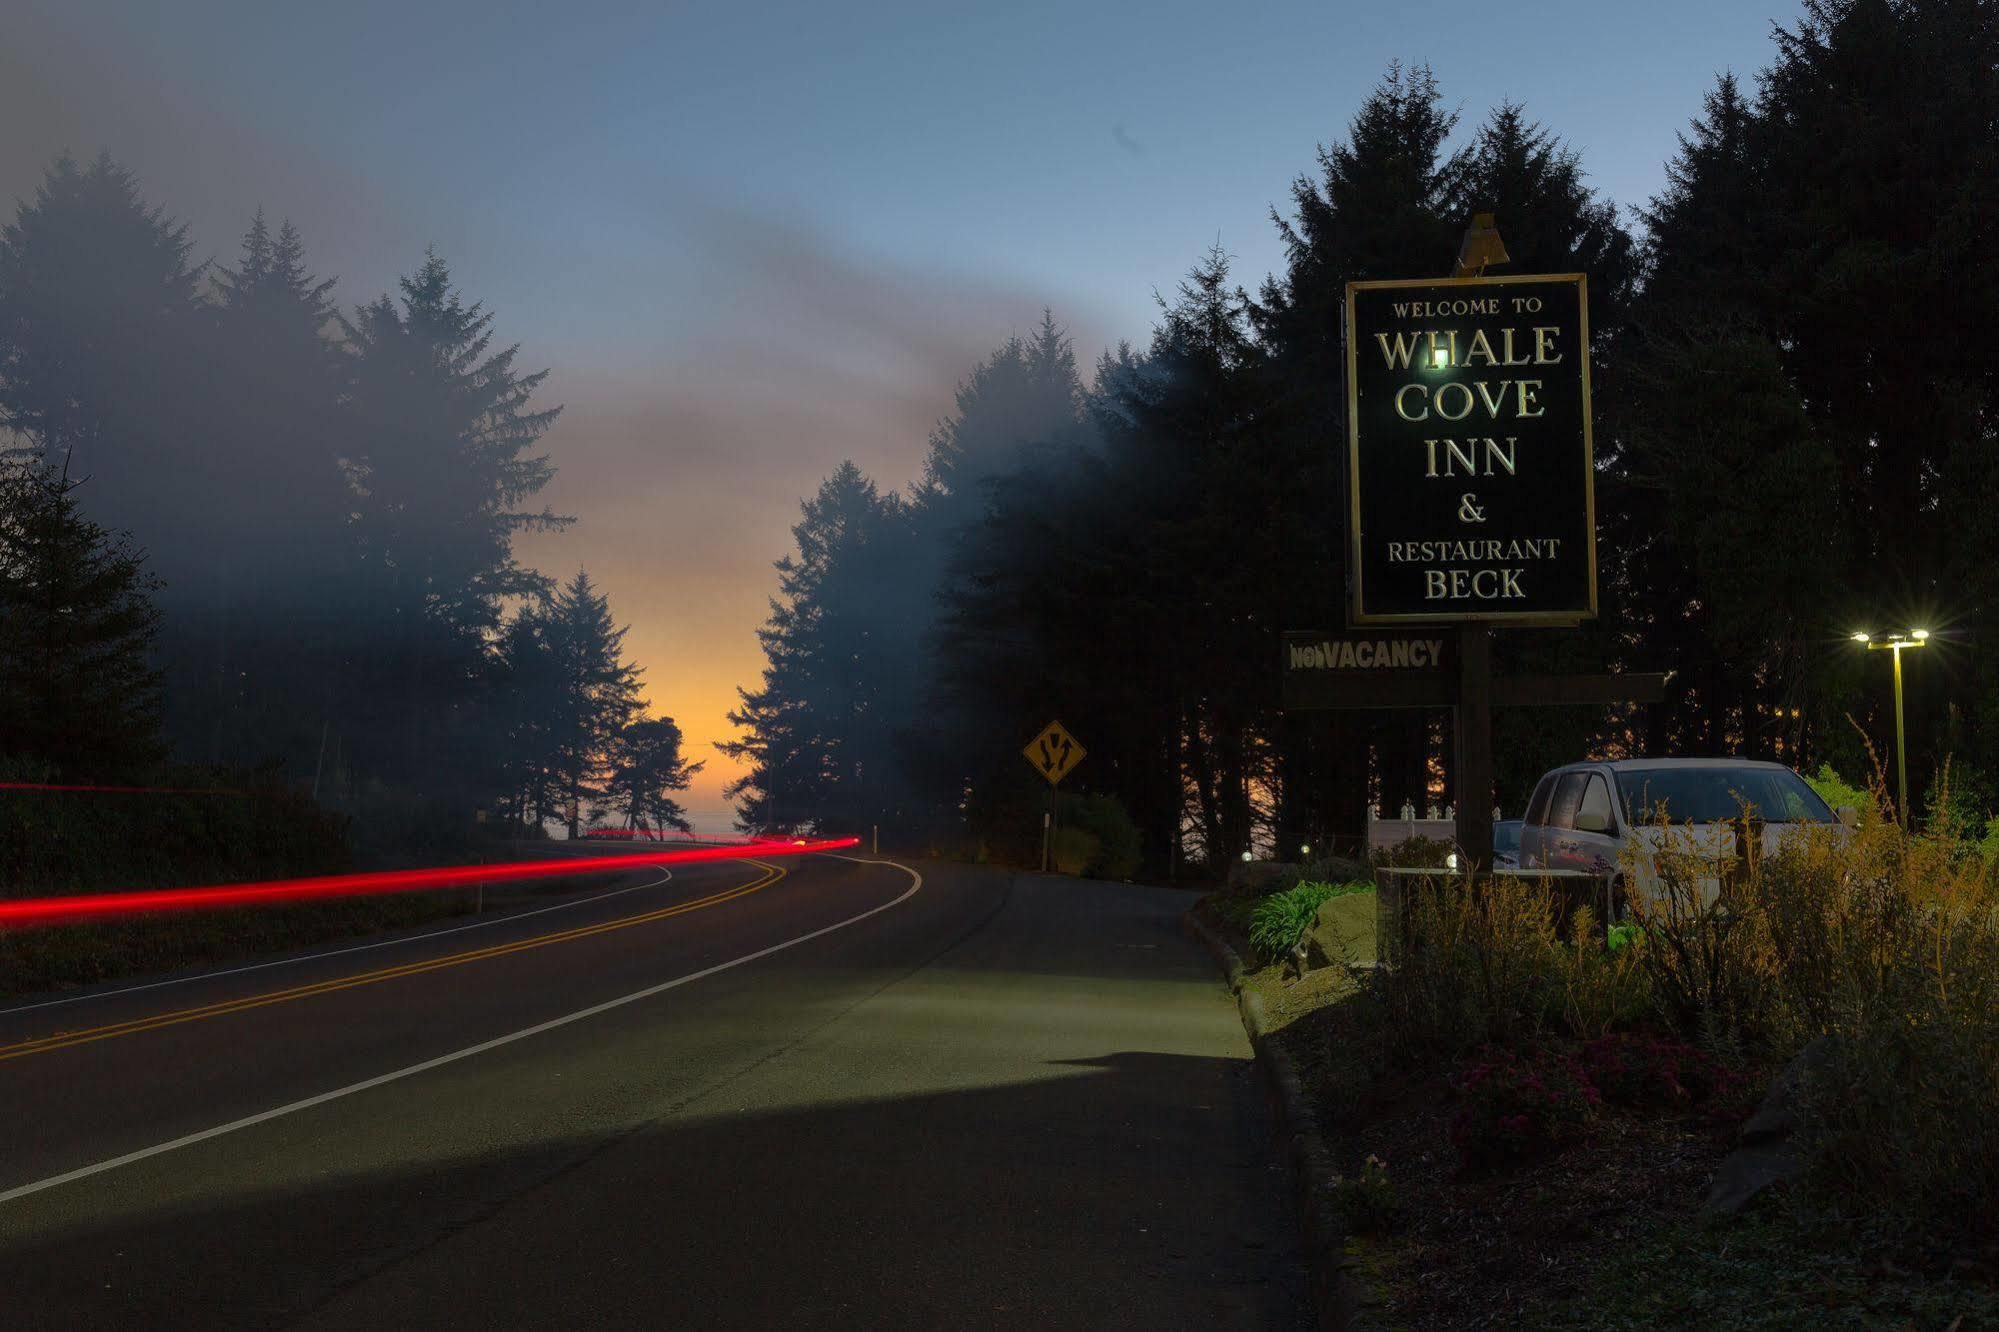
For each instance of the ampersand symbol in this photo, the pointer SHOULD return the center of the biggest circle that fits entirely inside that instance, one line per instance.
(1469, 510)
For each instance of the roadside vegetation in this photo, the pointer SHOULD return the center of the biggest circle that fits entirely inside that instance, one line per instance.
(1531, 1107)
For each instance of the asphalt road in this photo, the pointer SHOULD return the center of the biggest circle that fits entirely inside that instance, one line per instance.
(826, 1091)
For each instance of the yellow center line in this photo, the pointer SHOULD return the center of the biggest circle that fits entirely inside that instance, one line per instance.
(64, 1039)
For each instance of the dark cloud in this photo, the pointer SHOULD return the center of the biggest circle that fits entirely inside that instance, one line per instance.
(66, 90)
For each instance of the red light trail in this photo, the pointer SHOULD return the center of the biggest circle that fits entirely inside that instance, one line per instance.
(93, 789)
(95, 906)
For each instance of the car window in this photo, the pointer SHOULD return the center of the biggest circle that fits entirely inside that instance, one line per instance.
(1537, 807)
(1568, 796)
(1596, 801)
(1718, 794)
(1506, 835)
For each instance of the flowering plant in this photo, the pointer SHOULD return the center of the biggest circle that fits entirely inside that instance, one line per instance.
(1645, 1071)
(1368, 1200)
(1514, 1106)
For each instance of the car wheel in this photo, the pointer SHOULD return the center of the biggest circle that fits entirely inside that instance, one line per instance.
(1618, 906)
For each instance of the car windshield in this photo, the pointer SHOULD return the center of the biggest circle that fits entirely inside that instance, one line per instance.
(1713, 795)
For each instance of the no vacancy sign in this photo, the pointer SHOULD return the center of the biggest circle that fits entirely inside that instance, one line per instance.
(1470, 471)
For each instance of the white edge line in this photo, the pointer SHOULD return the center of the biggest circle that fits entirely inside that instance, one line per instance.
(279, 1112)
(336, 952)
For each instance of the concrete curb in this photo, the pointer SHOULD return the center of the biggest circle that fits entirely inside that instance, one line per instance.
(1336, 1293)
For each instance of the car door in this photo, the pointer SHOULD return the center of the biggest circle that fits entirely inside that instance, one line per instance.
(1533, 832)
(1594, 837)
(1562, 851)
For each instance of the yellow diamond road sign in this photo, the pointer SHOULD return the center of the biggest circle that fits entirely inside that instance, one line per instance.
(1054, 753)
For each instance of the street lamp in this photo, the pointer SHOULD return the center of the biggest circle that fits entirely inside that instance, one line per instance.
(1915, 638)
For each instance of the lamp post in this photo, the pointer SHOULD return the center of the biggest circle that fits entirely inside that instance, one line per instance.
(1915, 638)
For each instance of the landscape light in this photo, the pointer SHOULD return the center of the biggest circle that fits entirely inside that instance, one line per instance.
(1919, 634)
(1305, 850)
(1245, 857)
(1860, 637)
(1440, 359)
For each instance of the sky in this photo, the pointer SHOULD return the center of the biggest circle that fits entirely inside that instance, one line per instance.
(749, 241)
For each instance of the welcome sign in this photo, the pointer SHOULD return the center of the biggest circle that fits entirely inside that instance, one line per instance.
(1470, 469)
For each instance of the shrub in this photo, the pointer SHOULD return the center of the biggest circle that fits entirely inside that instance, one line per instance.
(1415, 853)
(1708, 954)
(1888, 941)
(1901, 1122)
(1368, 1202)
(1604, 985)
(1279, 921)
(1117, 854)
(1647, 1072)
(54, 842)
(1515, 1107)
(1836, 791)
(1478, 963)
(1331, 869)
(1073, 851)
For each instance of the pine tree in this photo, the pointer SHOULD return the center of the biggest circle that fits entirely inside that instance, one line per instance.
(101, 337)
(1551, 221)
(254, 640)
(1022, 409)
(1110, 586)
(594, 693)
(1385, 204)
(1710, 435)
(1820, 282)
(647, 767)
(77, 690)
(523, 709)
(278, 442)
(440, 459)
(819, 742)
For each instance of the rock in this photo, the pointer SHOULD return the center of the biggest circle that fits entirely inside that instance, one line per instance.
(1342, 932)
(1750, 1169)
(1770, 1151)
(1253, 878)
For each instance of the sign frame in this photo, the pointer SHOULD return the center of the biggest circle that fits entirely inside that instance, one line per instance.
(1357, 612)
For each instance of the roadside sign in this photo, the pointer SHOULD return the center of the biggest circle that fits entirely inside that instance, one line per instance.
(1469, 463)
(1054, 753)
(1367, 668)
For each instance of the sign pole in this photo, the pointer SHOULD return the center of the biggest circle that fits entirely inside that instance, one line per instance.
(1472, 787)
(1048, 837)
(1054, 753)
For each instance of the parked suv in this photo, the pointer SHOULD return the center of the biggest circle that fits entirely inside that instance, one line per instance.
(1606, 818)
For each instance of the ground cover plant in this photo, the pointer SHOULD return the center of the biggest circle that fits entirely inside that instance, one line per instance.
(1525, 1073)
(1279, 921)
